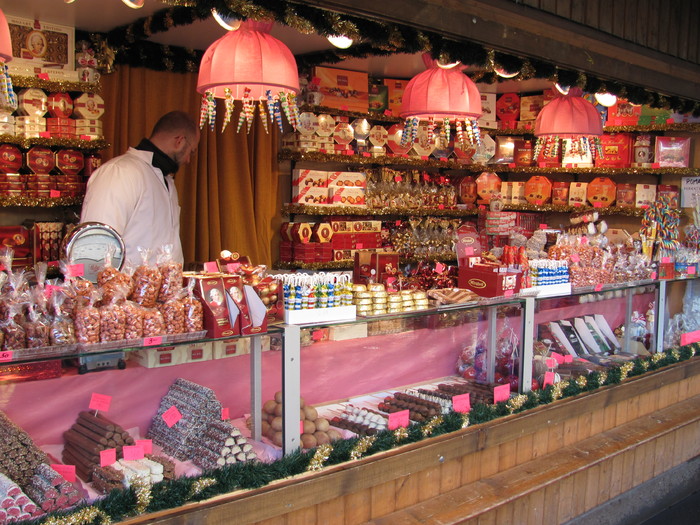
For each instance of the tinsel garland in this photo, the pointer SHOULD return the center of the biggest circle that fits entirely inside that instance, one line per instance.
(40, 202)
(55, 86)
(27, 143)
(120, 504)
(376, 117)
(303, 209)
(129, 45)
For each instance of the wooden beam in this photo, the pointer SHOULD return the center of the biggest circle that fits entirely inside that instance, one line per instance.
(525, 31)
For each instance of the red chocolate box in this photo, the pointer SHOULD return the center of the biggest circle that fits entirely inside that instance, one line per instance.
(70, 161)
(488, 280)
(40, 159)
(10, 158)
(211, 292)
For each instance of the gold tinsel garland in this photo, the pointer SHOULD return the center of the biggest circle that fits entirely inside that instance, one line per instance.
(400, 434)
(55, 86)
(320, 457)
(143, 495)
(303, 209)
(516, 403)
(558, 389)
(603, 378)
(625, 369)
(429, 427)
(199, 485)
(581, 381)
(83, 516)
(40, 202)
(27, 143)
(362, 446)
(655, 358)
(465, 420)
(374, 117)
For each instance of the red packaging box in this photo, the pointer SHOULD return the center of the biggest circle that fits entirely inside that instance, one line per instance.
(212, 294)
(622, 113)
(508, 107)
(12, 186)
(374, 266)
(323, 252)
(488, 280)
(342, 89)
(285, 250)
(245, 304)
(40, 159)
(617, 151)
(10, 158)
(395, 94)
(60, 105)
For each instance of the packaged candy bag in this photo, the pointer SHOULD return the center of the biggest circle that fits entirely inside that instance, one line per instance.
(193, 310)
(113, 320)
(62, 330)
(87, 321)
(153, 323)
(171, 273)
(14, 336)
(147, 280)
(133, 326)
(36, 328)
(110, 280)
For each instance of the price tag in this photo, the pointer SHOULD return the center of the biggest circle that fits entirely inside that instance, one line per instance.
(85, 137)
(317, 335)
(344, 107)
(108, 457)
(100, 402)
(146, 445)
(665, 260)
(690, 337)
(653, 275)
(49, 289)
(43, 76)
(597, 204)
(398, 419)
(366, 154)
(569, 165)
(543, 226)
(233, 267)
(301, 426)
(390, 281)
(336, 198)
(45, 134)
(67, 471)
(568, 359)
(508, 293)
(76, 270)
(132, 452)
(538, 202)
(585, 218)
(6, 355)
(551, 362)
(359, 246)
(424, 157)
(211, 267)
(548, 379)
(398, 178)
(598, 287)
(225, 414)
(574, 257)
(558, 357)
(388, 113)
(541, 164)
(397, 223)
(171, 416)
(691, 269)
(441, 206)
(469, 250)
(439, 267)
(644, 206)
(152, 341)
(511, 165)
(584, 240)
(461, 403)
(501, 393)
(656, 166)
(443, 159)
(54, 194)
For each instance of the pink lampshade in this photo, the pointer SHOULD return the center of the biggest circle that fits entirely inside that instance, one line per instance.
(248, 58)
(569, 116)
(5, 42)
(441, 93)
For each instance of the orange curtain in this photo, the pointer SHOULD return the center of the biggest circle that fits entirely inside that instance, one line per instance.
(229, 191)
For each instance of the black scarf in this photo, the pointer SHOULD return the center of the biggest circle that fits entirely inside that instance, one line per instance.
(160, 160)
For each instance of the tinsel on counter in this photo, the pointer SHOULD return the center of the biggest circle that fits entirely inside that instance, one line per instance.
(120, 504)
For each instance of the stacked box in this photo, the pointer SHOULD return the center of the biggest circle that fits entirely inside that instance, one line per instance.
(29, 127)
(358, 241)
(60, 127)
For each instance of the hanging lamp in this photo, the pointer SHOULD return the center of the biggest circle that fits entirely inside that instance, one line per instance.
(569, 117)
(250, 65)
(441, 93)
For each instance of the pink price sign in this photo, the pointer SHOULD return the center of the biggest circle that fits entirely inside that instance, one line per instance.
(598, 287)
(6, 355)
(398, 419)
(557, 357)
(108, 457)
(225, 414)
(132, 452)
(146, 445)
(54, 194)
(67, 471)
(76, 270)
(152, 341)
(171, 416)
(211, 267)
(301, 426)
(233, 267)
(501, 393)
(568, 359)
(574, 257)
(548, 379)
(508, 293)
(690, 337)
(461, 403)
(439, 267)
(551, 362)
(100, 402)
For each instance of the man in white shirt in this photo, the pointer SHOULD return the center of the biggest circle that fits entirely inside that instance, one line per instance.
(135, 193)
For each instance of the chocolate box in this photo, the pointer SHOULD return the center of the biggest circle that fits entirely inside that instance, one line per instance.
(309, 195)
(88, 106)
(645, 195)
(36, 43)
(672, 152)
(488, 280)
(343, 89)
(18, 238)
(346, 196)
(212, 294)
(372, 266)
(60, 105)
(488, 184)
(617, 150)
(70, 161)
(10, 158)
(578, 193)
(538, 190)
(601, 192)
(395, 89)
(348, 179)
(244, 304)
(378, 98)
(530, 106)
(622, 113)
(508, 107)
(40, 159)
(309, 178)
(32, 102)
(560, 193)
(522, 152)
(625, 196)
(488, 111)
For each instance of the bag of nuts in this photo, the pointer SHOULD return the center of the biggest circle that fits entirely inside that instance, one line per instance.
(133, 325)
(110, 280)
(171, 273)
(36, 329)
(87, 322)
(147, 280)
(153, 322)
(192, 310)
(14, 334)
(173, 312)
(112, 320)
(62, 330)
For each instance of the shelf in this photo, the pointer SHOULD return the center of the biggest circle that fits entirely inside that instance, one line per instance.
(686, 127)
(374, 117)
(419, 163)
(326, 211)
(21, 81)
(27, 143)
(40, 202)
(349, 264)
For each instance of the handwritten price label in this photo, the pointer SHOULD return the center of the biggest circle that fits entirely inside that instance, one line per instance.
(67, 471)
(398, 419)
(225, 416)
(501, 393)
(232, 267)
(6, 355)
(439, 267)
(100, 402)
(152, 341)
(146, 445)
(461, 403)
(132, 452)
(568, 359)
(108, 457)
(171, 416)
(76, 270)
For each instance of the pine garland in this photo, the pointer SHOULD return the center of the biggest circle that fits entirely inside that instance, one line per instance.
(129, 45)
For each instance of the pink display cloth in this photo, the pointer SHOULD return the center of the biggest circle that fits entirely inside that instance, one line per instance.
(333, 370)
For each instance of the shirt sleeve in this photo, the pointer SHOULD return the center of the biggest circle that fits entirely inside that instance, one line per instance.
(113, 193)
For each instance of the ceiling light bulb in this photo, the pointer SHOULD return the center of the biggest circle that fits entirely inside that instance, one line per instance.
(340, 41)
(503, 73)
(229, 23)
(605, 99)
(448, 66)
(564, 90)
(69, 1)
(134, 4)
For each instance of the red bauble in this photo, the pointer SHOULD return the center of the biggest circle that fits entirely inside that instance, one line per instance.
(469, 373)
(535, 384)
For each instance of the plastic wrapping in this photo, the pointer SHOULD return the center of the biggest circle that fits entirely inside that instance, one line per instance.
(147, 280)
(36, 328)
(62, 330)
(14, 335)
(133, 325)
(87, 322)
(171, 274)
(153, 322)
(192, 310)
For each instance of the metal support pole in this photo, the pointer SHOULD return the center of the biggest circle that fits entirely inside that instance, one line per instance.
(291, 388)
(529, 336)
(256, 390)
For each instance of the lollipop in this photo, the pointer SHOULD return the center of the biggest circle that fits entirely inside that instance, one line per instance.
(477, 132)
(460, 134)
(414, 129)
(285, 106)
(263, 115)
(293, 110)
(431, 130)
(228, 100)
(446, 129)
(406, 133)
(203, 111)
(271, 105)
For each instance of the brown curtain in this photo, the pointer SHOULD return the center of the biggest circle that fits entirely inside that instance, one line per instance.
(229, 191)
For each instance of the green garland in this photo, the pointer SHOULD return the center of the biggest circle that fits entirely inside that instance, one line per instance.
(120, 504)
(128, 45)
